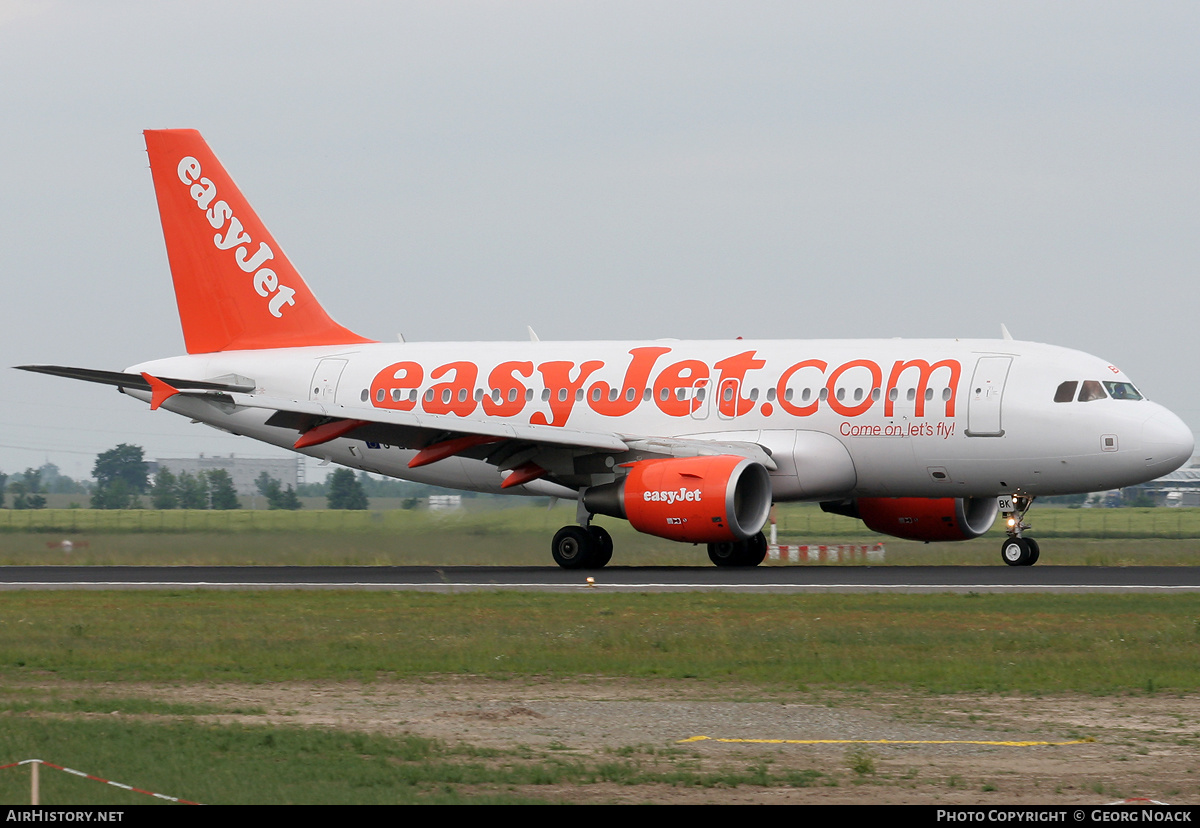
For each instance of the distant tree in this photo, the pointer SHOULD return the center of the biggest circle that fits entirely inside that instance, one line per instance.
(3, 486)
(58, 483)
(345, 492)
(115, 495)
(165, 492)
(126, 462)
(268, 487)
(222, 495)
(27, 492)
(273, 491)
(288, 500)
(193, 490)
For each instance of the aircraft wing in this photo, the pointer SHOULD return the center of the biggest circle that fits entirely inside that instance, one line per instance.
(529, 451)
(569, 456)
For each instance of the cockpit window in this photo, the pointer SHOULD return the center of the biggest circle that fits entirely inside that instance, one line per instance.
(1091, 390)
(1122, 391)
(1066, 391)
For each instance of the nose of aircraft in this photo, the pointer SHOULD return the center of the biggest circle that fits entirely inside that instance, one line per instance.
(1167, 442)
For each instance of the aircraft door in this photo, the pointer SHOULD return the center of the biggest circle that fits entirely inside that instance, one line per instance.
(323, 387)
(986, 392)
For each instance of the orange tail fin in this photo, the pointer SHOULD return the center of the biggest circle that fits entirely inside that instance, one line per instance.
(234, 286)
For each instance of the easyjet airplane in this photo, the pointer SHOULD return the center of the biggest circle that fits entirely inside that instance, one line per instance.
(690, 441)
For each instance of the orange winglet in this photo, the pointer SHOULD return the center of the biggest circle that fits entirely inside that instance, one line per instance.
(160, 391)
(523, 474)
(449, 448)
(328, 431)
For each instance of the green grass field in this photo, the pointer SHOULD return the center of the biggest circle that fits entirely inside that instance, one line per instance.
(69, 660)
(520, 515)
(520, 535)
(70, 663)
(939, 643)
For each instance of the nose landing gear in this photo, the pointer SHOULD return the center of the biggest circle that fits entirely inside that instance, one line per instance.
(1018, 550)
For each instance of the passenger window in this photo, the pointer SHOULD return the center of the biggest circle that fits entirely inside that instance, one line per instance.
(1091, 390)
(1066, 391)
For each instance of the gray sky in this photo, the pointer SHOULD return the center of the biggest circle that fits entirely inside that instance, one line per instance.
(459, 170)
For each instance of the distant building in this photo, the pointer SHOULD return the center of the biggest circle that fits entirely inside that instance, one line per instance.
(289, 471)
(1179, 488)
(445, 503)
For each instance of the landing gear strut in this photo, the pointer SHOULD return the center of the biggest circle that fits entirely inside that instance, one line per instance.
(750, 552)
(1018, 550)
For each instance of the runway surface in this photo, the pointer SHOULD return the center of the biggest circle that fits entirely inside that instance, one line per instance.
(1065, 579)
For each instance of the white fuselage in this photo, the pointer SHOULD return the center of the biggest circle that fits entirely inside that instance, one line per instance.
(853, 418)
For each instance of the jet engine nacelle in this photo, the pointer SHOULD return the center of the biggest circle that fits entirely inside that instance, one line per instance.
(922, 518)
(691, 499)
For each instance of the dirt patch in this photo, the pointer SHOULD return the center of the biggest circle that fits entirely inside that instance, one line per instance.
(883, 748)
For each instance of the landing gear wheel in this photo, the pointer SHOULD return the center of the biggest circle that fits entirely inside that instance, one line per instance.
(573, 548)
(727, 553)
(756, 550)
(749, 552)
(602, 546)
(1034, 552)
(1016, 552)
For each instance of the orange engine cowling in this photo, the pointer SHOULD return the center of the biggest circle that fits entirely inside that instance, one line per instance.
(928, 519)
(692, 499)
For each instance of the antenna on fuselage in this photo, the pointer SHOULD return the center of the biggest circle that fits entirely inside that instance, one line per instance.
(1004, 334)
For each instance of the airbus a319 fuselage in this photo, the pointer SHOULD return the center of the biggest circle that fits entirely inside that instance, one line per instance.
(688, 440)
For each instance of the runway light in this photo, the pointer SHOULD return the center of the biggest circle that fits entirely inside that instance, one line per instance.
(591, 582)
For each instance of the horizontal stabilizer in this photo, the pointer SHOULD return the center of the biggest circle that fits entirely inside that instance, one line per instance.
(137, 381)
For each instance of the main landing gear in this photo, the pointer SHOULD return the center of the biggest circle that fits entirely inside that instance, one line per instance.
(750, 552)
(1018, 550)
(582, 547)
